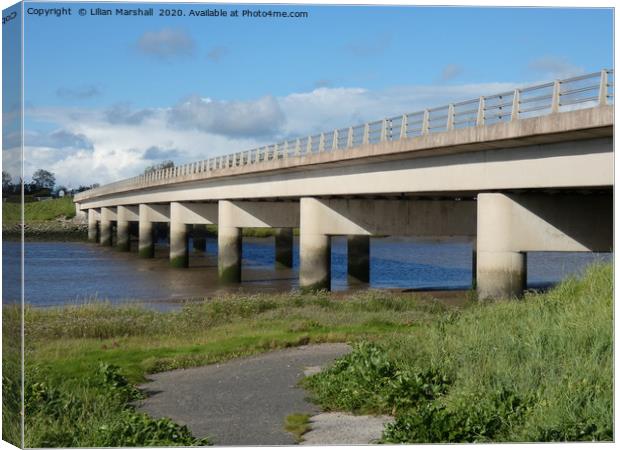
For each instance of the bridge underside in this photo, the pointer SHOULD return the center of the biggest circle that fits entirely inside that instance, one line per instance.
(548, 187)
(502, 226)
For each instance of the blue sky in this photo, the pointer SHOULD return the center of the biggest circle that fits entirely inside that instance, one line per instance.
(107, 96)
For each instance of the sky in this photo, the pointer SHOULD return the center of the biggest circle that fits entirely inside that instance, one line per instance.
(107, 96)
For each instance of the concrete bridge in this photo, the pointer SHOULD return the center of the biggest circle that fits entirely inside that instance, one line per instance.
(516, 172)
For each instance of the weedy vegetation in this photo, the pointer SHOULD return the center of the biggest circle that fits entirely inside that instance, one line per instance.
(71, 350)
(536, 369)
(540, 369)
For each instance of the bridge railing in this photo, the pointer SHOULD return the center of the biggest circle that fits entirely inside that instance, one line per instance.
(558, 96)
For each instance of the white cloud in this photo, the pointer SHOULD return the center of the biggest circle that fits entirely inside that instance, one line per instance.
(200, 128)
(166, 43)
(262, 117)
(451, 71)
(554, 67)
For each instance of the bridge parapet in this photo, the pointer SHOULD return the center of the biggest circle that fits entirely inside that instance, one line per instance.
(586, 91)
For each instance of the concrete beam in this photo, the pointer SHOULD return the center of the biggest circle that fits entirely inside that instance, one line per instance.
(428, 218)
(196, 213)
(583, 163)
(128, 213)
(262, 214)
(155, 212)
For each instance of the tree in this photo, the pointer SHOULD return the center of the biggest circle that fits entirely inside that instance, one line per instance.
(83, 188)
(43, 179)
(6, 181)
(162, 165)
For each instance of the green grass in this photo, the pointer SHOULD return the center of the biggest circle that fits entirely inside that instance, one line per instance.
(297, 424)
(69, 345)
(37, 211)
(540, 369)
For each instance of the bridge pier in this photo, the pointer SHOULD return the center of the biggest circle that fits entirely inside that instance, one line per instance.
(500, 270)
(510, 225)
(229, 244)
(314, 247)
(179, 237)
(93, 226)
(358, 257)
(284, 247)
(199, 237)
(123, 214)
(105, 226)
(146, 246)
(122, 235)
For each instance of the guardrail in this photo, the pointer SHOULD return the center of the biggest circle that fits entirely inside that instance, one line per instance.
(557, 96)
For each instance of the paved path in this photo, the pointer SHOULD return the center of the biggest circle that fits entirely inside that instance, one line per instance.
(243, 401)
(338, 428)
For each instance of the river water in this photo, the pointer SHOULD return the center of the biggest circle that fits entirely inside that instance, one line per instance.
(59, 273)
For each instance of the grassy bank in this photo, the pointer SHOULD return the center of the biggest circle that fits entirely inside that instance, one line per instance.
(45, 220)
(38, 211)
(533, 370)
(72, 350)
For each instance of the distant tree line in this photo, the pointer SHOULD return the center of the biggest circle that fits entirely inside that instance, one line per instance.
(43, 184)
(160, 166)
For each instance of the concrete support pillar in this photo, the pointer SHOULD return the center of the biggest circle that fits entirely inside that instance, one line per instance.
(146, 246)
(284, 247)
(105, 227)
(199, 238)
(358, 254)
(93, 227)
(474, 263)
(80, 215)
(179, 238)
(122, 235)
(314, 248)
(500, 270)
(229, 243)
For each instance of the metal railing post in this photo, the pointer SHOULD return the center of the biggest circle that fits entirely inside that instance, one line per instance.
(309, 145)
(350, 138)
(602, 91)
(366, 133)
(555, 97)
(514, 115)
(480, 116)
(322, 143)
(450, 121)
(403, 126)
(335, 141)
(285, 149)
(425, 122)
(383, 130)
